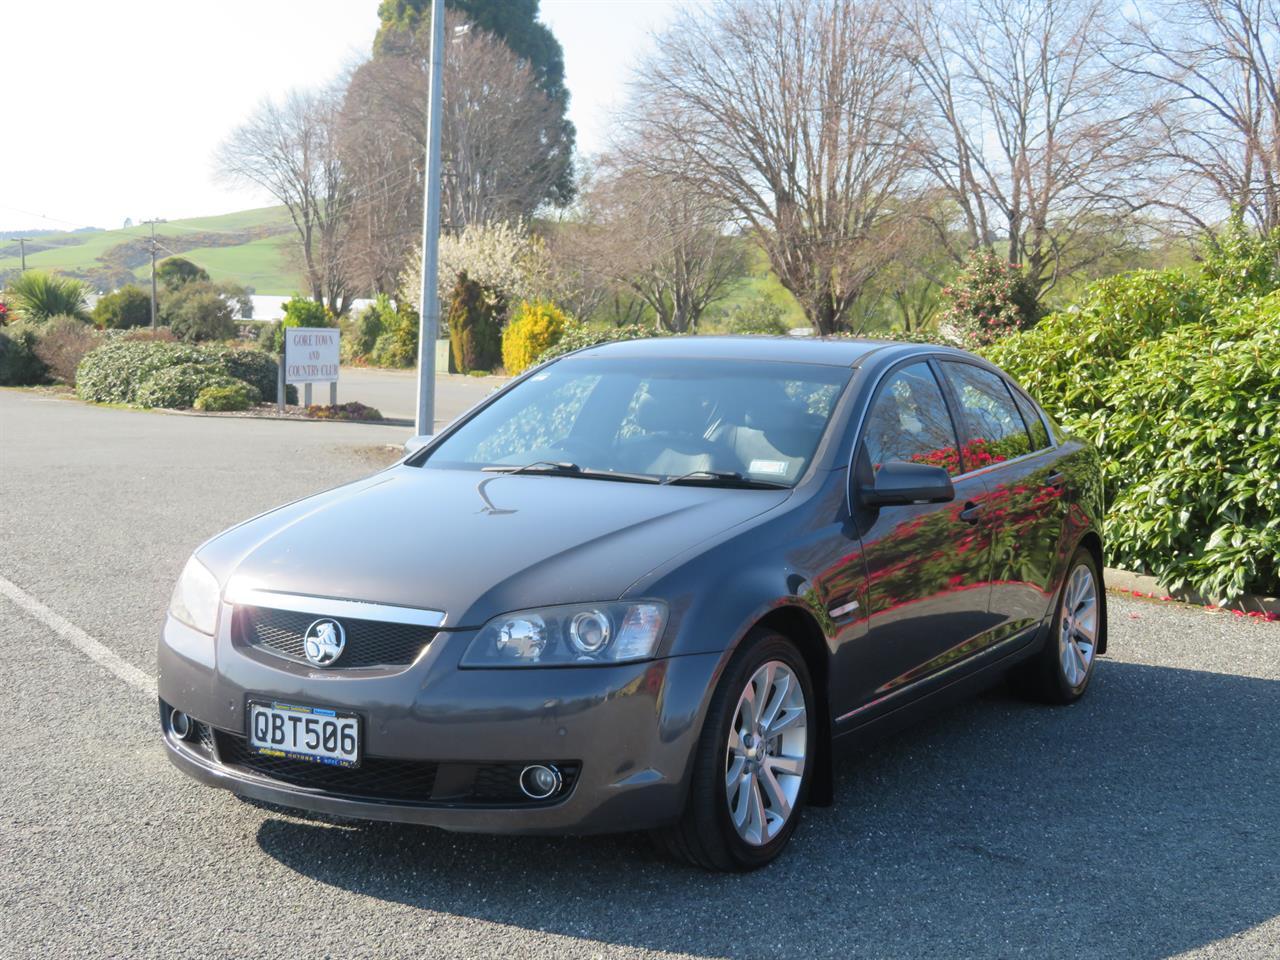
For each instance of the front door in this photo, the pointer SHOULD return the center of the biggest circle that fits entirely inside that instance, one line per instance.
(928, 566)
(1024, 476)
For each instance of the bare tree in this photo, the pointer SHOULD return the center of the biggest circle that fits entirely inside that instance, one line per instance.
(1032, 132)
(501, 160)
(796, 116)
(663, 239)
(289, 148)
(1214, 69)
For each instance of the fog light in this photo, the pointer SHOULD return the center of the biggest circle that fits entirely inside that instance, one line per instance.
(180, 724)
(540, 781)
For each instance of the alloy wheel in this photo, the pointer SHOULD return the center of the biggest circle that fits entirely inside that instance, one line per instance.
(1078, 625)
(765, 758)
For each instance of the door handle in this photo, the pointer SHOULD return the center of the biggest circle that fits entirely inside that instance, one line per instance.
(971, 512)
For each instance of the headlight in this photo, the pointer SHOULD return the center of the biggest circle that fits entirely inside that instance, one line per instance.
(195, 598)
(571, 635)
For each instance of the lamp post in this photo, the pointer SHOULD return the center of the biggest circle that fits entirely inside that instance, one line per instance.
(429, 321)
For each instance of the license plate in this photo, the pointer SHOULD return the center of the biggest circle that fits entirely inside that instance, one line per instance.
(304, 733)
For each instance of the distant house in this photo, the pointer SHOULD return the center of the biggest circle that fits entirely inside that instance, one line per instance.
(271, 308)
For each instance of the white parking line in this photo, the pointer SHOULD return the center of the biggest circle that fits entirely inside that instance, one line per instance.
(93, 649)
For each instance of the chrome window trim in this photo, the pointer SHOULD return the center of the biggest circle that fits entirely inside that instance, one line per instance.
(240, 595)
(1054, 442)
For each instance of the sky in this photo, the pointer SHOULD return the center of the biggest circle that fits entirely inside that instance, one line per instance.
(114, 109)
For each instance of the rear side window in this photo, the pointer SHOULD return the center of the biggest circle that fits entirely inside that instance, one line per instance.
(1035, 424)
(991, 428)
(909, 421)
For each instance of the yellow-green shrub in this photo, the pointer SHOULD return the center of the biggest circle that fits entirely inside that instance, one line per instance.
(535, 327)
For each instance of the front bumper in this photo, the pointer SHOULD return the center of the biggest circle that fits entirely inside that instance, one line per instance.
(628, 730)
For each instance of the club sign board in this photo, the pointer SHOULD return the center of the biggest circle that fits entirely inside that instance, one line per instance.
(310, 354)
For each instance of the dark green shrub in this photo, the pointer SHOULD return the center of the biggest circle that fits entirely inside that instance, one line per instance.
(177, 387)
(1191, 430)
(760, 316)
(475, 326)
(254, 367)
(397, 346)
(199, 310)
(237, 396)
(115, 371)
(1068, 357)
(1178, 384)
(173, 272)
(130, 306)
(579, 335)
(19, 364)
(1240, 262)
(360, 333)
(298, 312)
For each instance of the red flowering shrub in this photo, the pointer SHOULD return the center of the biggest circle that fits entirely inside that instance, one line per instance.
(988, 298)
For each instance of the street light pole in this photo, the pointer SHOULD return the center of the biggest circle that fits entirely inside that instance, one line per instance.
(429, 322)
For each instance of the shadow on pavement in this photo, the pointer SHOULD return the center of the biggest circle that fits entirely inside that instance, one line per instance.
(1143, 822)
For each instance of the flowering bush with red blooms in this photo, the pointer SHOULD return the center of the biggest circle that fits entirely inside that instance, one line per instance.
(977, 453)
(343, 411)
(4, 313)
(988, 298)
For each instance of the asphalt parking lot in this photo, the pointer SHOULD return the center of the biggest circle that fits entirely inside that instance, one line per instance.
(1144, 822)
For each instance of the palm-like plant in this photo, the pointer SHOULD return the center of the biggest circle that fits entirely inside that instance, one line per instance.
(39, 296)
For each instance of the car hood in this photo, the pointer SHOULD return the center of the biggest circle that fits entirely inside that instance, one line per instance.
(473, 544)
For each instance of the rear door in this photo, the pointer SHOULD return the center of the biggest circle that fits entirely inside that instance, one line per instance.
(927, 565)
(1005, 437)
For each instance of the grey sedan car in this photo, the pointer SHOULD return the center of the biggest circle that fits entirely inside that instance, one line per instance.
(654, 585)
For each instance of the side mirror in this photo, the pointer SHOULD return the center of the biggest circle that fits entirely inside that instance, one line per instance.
(898, 483)
(416, 443)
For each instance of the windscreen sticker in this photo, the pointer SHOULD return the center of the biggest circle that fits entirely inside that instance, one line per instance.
(775, 467)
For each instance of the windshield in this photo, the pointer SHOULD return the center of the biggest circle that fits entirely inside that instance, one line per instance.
(693, 420)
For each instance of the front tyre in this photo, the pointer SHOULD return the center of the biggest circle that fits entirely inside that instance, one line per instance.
(754, 760)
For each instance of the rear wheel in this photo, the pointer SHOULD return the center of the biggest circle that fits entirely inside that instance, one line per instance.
(753, 763)
(1061, 671)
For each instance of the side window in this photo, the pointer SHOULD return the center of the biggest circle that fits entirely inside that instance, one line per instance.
(909, 421)
(1035, 424)
(991, 428)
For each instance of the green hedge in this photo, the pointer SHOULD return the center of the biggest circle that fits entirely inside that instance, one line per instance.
(116, 371)
(177, 387)
(236, 396)
(1178, 383)
(19, 365)
(578, 335)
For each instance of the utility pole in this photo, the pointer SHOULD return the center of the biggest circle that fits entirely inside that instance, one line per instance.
(22, 245)
(429, 321)
(153, 223)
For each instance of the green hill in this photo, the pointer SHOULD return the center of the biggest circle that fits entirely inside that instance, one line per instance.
(252, 248)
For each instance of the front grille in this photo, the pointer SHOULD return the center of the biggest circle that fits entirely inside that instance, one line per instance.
(419, 782)
(370, 643)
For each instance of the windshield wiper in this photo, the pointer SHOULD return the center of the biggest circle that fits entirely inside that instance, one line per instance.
(538, 466)
(725, 478)
(562, 468)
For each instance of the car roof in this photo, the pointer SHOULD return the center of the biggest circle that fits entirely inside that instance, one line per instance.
(841, 351)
